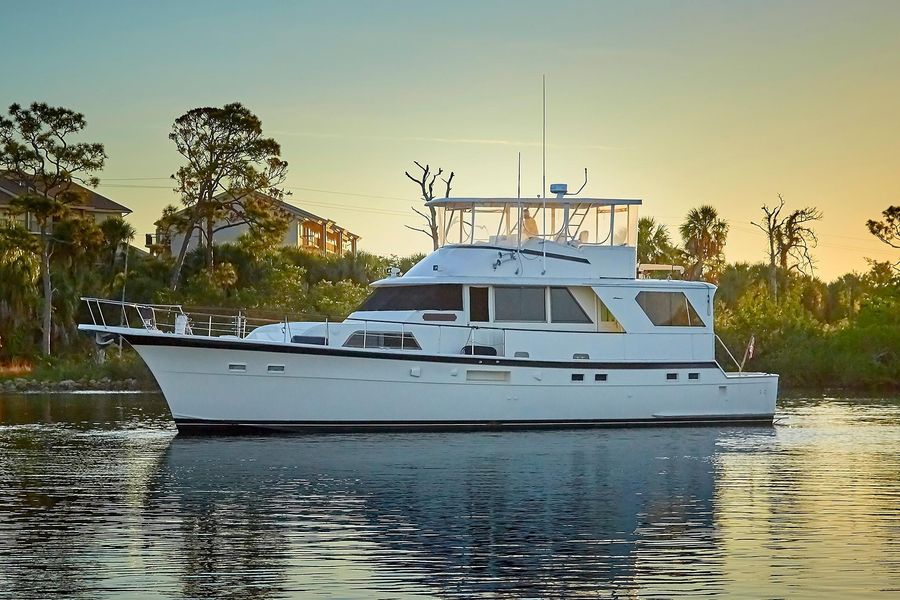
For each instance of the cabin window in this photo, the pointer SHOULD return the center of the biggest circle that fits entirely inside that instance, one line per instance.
(382, 339)
(478, 304)
(520, 304)
(669, 309)
(564, 308)
(414, 297)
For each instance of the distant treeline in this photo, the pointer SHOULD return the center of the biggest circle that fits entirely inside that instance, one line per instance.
(844, 333)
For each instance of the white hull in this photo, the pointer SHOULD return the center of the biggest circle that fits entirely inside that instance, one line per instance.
(333, 389)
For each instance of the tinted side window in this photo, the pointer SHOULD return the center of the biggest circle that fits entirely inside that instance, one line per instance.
(564, 308)
(519, 304)
(478, 304)
(669, 309)
(415, 297)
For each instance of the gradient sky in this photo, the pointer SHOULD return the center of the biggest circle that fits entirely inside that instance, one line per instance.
(678, 103)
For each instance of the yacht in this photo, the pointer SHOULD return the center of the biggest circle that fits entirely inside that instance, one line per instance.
(531, 313)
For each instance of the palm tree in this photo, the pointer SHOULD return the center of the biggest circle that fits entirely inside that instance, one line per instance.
(704, 235)
(654, 243)
(116, 233)
(19, 272)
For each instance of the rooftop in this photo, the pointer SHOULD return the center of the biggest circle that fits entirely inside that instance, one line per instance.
(91, 200)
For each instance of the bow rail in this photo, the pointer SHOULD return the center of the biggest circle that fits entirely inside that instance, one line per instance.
(171, 318)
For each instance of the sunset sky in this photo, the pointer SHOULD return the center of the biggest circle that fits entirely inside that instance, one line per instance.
(677, 103)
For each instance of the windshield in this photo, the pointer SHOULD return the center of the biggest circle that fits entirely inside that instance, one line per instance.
(414, 297)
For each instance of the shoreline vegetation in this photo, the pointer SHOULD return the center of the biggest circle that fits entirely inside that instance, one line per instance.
(775, 316)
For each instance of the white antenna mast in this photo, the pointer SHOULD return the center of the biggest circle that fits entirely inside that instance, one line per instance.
(519, 218)
(544, 168)
(519, 178)
(544, 136)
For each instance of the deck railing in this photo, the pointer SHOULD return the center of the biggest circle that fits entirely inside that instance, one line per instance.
(173, 318)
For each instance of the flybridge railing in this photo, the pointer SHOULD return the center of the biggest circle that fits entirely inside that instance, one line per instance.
(173, 318)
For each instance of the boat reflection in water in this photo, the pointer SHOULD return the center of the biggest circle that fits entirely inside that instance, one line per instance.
(519, 514)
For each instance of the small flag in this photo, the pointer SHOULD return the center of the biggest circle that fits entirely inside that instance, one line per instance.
(750, 346)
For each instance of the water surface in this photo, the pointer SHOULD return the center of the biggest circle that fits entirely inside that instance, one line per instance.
(100, 498)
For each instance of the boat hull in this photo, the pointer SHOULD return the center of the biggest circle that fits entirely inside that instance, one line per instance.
(214, 386)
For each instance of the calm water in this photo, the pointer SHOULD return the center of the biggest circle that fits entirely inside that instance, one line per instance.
(98, 498)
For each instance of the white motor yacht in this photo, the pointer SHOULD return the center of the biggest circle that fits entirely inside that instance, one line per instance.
(532, 313)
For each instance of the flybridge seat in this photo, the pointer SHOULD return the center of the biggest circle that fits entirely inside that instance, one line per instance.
(512, 222)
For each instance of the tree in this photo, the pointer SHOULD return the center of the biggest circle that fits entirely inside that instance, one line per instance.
(77, 266)
(37, 154)
(654, 243)
(789, 238)
(704, 235)
(888, 230)
(795, 239)
(19, 272)
(232, 175)
(116, 234)
(426, 181)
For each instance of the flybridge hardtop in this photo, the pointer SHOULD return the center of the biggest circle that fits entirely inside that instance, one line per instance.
(531, 313)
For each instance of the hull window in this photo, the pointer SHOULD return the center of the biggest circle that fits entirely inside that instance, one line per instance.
(669, 309)
(520, 304)
(599, 376)
(382, 339)
(564, 308)
(415, 297)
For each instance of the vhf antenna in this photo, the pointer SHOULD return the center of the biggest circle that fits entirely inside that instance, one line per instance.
(544, 136)
(544, 170)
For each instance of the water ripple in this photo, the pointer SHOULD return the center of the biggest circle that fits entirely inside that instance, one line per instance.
(99, 498)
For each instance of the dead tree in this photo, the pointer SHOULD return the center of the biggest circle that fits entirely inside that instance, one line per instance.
(790, 239)
(797, 238)
(771, 228)
(426, 181)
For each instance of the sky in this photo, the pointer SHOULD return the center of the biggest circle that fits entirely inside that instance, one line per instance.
(677, 103)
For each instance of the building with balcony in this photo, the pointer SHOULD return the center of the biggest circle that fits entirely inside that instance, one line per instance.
(305, 230)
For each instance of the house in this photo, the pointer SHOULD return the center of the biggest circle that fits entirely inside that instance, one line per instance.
(305, 230)
(92, 205)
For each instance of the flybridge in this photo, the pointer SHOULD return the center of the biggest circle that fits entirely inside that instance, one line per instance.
(515, 221)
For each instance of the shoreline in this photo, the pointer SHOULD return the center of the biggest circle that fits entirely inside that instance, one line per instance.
(27, 385)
